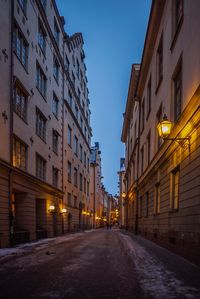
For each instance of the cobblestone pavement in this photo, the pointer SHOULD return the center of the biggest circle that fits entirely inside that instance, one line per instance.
(99, 264)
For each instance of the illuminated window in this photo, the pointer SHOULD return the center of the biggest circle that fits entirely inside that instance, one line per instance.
(19, 154)
(20, 102)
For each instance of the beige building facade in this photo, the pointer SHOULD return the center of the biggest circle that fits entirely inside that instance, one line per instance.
(43, 93)
(162, 176)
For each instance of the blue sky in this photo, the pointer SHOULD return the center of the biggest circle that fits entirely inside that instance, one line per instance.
(113, 32)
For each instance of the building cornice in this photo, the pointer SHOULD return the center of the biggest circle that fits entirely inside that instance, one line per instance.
(153, 27)
(130, 99)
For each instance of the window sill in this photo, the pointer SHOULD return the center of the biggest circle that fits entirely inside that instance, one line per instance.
(41, 138)
(24, 67)
(176, 33)
(24, 120)
(41, 94)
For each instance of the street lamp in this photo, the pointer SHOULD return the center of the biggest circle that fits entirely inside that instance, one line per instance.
(52, 208)
(164, 130)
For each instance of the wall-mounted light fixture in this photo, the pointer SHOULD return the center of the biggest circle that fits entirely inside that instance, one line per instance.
(52, 208)
(63, 211)
(164, 130)
(123, 194)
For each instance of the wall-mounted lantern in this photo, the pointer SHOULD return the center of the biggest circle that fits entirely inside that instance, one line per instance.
(63, 211)
(164, 130)
(52, 208)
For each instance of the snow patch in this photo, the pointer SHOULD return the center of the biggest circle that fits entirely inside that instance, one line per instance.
(155, 280)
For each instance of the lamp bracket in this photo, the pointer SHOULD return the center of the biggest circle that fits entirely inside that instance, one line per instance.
(184, 145)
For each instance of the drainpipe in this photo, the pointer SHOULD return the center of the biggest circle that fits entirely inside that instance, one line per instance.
(11, 126)
(138, 153)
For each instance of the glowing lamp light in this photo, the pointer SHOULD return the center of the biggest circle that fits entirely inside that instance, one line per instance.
(63, 210)
(52, 208)
(123, 194)
(164, 127)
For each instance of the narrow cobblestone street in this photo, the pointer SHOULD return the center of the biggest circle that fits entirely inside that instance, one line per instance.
(98, 264)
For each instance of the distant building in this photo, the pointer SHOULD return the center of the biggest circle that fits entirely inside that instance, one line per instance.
(162, 176)
(44, 122)
(122, 194)
(99, 198)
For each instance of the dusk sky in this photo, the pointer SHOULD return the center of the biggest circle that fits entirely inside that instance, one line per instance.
(114, 33)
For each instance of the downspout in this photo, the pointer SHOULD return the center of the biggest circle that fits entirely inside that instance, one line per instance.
(11, 126)
(138, 160)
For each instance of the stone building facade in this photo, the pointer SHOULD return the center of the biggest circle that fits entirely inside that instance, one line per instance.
(163, 176)
(43, 95)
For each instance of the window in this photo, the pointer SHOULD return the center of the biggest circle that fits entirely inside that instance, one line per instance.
(148, 148)
(44, 3)
(19, 154)
(76, 112)
(75, 201)
(40, 124)
(81, 181)
(177, 82)
(20, 47)
(175, 185)
(73, 60)
(56, 69)
(40, 167)
(41, 81)
(73, 78)
(142, 159)
(23, 4)
(84, 185)
(88, 188)
(55, 105)
(159, 61)
(147, 204)
(56, 32)
(69, 171)
(76, 145)
(20, 102)
(142, 115)
(69, 136)
(78, 68)
(81, 120)
(159, 118)
(157, 199)
(66, 63)
(178, 13)
(75, 177)
(55, 176)
(55, 141)
(85, 159)
(81, 153)
(69, 199)
(149, 98)
(70, 98)
(42, 38)
(79, 94)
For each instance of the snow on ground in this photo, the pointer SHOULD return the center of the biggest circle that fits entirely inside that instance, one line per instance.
(154, 278)
(37, 245)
